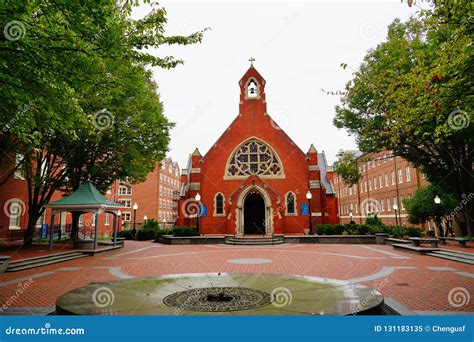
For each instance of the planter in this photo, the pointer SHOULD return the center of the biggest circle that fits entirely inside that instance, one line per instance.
(380, 238)
(84, 244)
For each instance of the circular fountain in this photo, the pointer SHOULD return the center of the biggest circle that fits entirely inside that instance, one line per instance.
(222, 294)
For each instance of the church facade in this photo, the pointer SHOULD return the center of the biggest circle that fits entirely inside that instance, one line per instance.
(255, 179)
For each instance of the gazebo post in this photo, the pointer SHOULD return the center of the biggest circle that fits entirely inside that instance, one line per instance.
(115, 229)
(51, 230)
(96, 229)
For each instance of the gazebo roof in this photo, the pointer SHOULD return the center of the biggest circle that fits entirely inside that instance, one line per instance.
(86, 198)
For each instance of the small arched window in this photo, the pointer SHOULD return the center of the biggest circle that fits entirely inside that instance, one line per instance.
(290, 203)
(219, 204)
(252, 89)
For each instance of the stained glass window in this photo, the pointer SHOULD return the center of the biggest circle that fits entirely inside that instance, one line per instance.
(254, 158)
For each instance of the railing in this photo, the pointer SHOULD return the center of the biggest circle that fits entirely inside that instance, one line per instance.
(87, 232)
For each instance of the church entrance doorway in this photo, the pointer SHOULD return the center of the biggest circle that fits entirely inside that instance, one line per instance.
(254, 214)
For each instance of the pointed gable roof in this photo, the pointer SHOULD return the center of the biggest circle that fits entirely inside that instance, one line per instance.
(87, 197)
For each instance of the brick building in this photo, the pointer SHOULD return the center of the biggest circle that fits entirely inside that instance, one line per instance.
(386, 181)
(156, 197)
(254, 179)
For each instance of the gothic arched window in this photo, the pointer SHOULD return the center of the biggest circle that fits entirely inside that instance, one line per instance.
(219, 204)
(290, 203)
(254, 157)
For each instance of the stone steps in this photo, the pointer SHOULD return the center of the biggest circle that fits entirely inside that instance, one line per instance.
(254, 241)
(467, 258)
(24, 264)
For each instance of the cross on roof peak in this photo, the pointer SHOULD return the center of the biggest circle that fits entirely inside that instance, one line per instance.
(251, 60)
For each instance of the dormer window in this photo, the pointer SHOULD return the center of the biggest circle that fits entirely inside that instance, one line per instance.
(252, 90)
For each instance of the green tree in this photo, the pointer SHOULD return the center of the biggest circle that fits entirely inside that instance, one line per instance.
(64, 63)
(346, 167)
(422, 206)
(413, 95)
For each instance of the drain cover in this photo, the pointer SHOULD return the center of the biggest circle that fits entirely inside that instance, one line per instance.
(218, 299)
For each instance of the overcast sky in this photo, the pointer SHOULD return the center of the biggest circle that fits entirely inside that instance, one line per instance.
(298, 49)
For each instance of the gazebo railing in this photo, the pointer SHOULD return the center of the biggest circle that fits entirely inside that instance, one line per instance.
(86, 232)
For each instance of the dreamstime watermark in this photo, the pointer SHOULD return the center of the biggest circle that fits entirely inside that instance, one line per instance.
(286, 22)
(103, 119)
(281, 297)
(103, 296)
(370, 206)
(14, 30)
(190, 208)
(46, 330)
(22, 287)
(458, 297)
(356, 307)
(22, 109)
(370, 31)
(280, 120)
(14, 208)
(462, 204)
(459, 119)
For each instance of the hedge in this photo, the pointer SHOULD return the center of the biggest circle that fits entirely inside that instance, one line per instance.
(364, 229)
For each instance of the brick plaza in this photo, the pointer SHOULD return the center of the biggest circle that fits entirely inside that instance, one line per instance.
(417, 284)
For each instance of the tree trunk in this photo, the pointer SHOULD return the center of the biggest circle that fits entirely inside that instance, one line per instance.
(75, 225)
(33, 215)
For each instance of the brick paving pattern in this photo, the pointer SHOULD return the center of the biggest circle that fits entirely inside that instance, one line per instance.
(413, 280)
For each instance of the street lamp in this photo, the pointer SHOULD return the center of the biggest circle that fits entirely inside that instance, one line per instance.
(145, 218)
(437, 200)
(308, 197)
(198, 199)
(135, 207)
(351, 216)
(395, 207)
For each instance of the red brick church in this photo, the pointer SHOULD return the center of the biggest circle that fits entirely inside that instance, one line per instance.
(255, 179)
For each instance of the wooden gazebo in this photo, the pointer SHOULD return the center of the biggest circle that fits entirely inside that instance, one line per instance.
(86, 199)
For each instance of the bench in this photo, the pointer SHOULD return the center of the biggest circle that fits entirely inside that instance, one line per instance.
(417, 241)
(461, 240)
(391, 241)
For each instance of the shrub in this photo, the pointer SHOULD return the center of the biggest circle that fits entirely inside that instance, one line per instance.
(184, 231)
(413, 232)
(330, 229)
(151, 225)
(321, 229)
(377, 229)
(161, 232)
(351, 229)
(339, 229)
(146, 234)
(127, 234)
(373, 221)
(363, 229)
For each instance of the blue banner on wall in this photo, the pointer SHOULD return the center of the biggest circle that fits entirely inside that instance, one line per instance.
(304, 209)
(237, 328)
(202, 210)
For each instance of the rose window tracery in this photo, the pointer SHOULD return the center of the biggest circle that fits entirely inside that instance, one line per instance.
(254, 158)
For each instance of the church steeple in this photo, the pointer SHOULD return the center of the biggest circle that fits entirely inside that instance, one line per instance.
(252, 90)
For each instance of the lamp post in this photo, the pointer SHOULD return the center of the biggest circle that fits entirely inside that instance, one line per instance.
(351, 216)
(198, 199)
(145, 218)
(135, 208)
(308, 197)
(437, 201)
(395, 207)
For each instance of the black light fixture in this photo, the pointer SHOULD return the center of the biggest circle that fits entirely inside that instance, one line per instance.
(198, 200)
(135, 208)
(308, 197)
